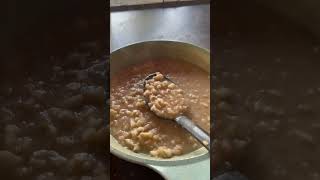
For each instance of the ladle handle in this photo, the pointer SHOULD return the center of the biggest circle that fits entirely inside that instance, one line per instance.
(195, 130)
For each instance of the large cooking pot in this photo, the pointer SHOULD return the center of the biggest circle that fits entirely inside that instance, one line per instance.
(191, 166)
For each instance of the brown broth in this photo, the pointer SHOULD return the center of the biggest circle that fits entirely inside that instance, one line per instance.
(167, 138)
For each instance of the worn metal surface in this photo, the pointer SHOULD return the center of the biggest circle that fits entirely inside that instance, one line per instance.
(188, 24)
(162, 4)
(135, 2)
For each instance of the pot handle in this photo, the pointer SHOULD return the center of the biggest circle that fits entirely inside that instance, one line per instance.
(199, 170)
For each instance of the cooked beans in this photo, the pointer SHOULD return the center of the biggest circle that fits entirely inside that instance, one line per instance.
(137, 128)
(165, 98)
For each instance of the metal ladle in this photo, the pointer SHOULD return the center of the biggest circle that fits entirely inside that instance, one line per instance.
(196, 131)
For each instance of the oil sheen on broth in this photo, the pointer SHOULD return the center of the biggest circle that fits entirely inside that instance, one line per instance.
(138, 129)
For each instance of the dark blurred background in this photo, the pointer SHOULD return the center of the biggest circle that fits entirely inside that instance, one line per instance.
(37, 34)
(37, 29)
